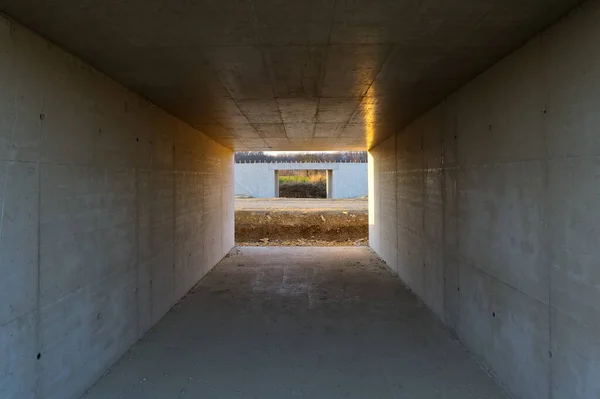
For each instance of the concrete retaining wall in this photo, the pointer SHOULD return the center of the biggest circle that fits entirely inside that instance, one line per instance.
(497, 209)
(111, 211)
(255, 180)
(258, 179)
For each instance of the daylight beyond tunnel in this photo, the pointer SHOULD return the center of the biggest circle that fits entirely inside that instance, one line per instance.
(301, 199)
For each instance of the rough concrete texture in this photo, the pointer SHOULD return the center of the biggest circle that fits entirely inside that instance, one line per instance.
(295, 75)
(496, 212)
(111, 210)
(298, 322)
(346, 180)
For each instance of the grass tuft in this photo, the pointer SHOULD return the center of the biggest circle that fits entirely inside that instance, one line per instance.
(301, 179)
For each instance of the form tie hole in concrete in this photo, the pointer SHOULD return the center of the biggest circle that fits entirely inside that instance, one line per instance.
(42, 117)
(493, 314)
(137, 139)
(39, 355)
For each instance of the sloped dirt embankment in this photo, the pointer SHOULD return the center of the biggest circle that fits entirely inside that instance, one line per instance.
(301, 227)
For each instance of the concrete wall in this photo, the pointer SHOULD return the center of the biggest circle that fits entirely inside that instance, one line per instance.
(111, 210)
(497, 211)
(350, 180)
(257, 179)
(254, 179)
(382, 201)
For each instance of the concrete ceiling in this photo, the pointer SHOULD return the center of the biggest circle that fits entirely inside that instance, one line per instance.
(291, 74)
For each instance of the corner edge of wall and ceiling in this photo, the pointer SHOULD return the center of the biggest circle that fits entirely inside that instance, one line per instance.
(113, 209)
(495, 212)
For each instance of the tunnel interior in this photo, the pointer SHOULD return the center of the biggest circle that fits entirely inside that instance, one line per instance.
(119, 122)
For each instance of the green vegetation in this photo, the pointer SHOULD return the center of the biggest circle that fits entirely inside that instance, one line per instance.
(297, 179)
(302, 184)
(306, 177)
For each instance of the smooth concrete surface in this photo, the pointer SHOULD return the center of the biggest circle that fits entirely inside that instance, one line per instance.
(329, 183)
(496, 212)
(344, 180)
(110, 211)
(294, 74)
(256, 180)
(486, 205)
(287, 322)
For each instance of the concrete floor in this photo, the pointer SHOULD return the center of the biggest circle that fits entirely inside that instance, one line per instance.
(298, 322)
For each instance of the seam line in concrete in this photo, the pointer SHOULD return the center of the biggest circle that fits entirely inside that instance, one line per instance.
(38, 324)
(497, 279)
(324, 68)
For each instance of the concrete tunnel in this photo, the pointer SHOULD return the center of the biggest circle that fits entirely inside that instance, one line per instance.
(118, 122)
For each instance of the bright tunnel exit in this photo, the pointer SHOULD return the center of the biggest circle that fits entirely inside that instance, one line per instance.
(301, 198)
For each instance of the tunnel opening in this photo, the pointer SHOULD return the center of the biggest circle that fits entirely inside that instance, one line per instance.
(117, 199)
(301, 199)
(303, 183)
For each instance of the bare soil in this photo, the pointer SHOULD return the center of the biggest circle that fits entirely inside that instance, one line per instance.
(301, 242)
(303, 190)
(301, 227)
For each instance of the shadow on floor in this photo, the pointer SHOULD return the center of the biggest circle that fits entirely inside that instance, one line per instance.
(272, 322)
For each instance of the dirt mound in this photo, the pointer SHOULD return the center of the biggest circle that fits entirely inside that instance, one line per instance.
(307, 227)
(303, 190)
(301, 242)
(302, 204)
